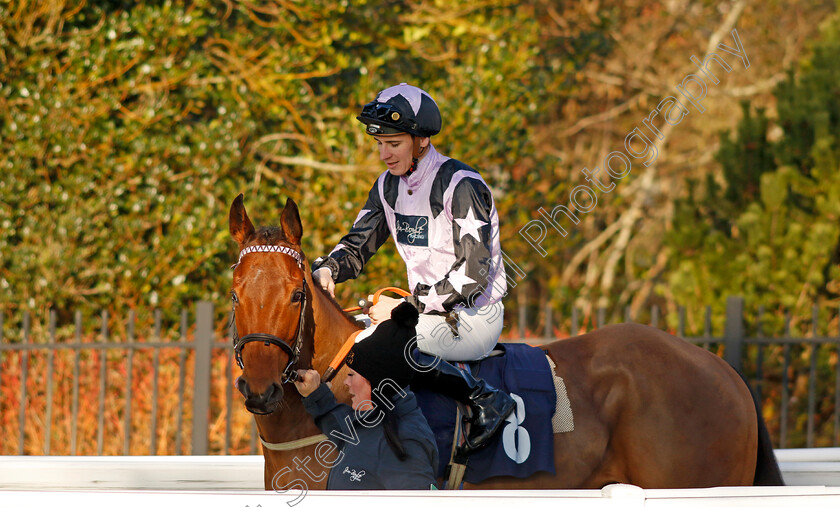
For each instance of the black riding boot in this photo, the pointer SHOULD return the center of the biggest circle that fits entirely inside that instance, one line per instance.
(489, 406)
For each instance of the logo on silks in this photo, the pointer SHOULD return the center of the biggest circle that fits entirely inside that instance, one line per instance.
(412, 230)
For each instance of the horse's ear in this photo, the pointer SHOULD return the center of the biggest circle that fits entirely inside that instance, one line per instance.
(241, 227)
(290, 220)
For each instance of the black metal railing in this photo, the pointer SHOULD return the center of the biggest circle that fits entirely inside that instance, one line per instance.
(797, 379)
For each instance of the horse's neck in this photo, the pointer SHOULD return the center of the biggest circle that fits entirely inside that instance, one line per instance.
(332, 329)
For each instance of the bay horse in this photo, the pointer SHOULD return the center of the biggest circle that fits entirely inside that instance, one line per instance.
(649, 408)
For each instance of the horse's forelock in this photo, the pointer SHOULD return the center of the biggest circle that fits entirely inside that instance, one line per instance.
(271, 235)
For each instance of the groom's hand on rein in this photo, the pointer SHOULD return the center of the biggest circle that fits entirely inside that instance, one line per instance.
(307, 382)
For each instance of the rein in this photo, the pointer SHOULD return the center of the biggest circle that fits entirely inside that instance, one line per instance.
(363, 303)
(338, 360)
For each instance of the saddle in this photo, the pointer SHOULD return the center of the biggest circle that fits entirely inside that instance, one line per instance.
(524, 445)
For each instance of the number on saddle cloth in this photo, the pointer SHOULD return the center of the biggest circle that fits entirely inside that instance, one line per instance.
(524, 444)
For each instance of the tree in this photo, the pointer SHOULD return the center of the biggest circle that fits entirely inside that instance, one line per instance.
(129, 127)
(770, 229)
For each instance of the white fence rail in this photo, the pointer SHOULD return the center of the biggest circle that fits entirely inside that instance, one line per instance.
(812, 475)
(800, 467)
(616, 495)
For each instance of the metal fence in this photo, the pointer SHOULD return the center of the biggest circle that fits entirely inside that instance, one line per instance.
(195, 345)
(780, 368)
(769, 362)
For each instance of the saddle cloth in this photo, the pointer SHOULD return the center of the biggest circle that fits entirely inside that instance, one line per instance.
(524, 444)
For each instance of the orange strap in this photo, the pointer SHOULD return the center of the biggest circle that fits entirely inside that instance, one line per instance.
(396, 290)
(338, 359)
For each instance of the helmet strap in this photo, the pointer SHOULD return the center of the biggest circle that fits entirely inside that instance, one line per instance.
(417, 153)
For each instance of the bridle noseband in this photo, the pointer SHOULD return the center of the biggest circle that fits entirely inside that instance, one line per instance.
(290, 372)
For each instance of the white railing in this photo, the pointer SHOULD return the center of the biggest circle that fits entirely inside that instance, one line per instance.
(616, 495)
(800, 467)
(812, 475)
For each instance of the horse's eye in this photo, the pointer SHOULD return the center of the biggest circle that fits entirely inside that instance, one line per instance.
(234, 297)
(297, 296)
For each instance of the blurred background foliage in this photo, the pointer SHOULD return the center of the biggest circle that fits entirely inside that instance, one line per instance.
(129, 127)
(768, 225)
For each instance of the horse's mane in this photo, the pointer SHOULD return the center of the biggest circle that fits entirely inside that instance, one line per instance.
(274, 235)
(340, 309)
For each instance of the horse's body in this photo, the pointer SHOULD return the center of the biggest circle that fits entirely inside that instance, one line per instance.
(649, 409)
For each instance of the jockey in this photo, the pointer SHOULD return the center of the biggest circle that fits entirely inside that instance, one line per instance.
(443, 218)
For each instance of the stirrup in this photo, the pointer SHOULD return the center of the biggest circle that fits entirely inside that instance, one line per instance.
(470, 445)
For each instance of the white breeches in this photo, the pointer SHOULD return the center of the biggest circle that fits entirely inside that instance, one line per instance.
(478, 332)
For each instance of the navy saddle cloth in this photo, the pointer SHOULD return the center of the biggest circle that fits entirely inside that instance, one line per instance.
(524, 445)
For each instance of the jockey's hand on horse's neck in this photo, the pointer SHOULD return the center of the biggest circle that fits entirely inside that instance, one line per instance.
(381, 311)
(323, 277)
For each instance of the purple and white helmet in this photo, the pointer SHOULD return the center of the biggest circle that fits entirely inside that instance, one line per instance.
(401, 109)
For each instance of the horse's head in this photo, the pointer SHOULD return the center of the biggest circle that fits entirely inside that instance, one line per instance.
(270, 302)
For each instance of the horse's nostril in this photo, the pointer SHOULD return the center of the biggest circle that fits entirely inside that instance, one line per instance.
(242, 386)
(279, 389)
(274, 393)
(264, 403)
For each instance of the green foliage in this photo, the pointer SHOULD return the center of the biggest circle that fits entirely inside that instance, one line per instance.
(745, 159)
(770, 230)
(129, 127)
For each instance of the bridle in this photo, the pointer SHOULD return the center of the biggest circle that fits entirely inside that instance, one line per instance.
(290, 372)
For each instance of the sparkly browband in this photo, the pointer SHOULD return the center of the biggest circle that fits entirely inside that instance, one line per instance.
(271, 248)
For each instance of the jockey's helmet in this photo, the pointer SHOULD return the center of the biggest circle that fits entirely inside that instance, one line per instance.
(401, 109)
